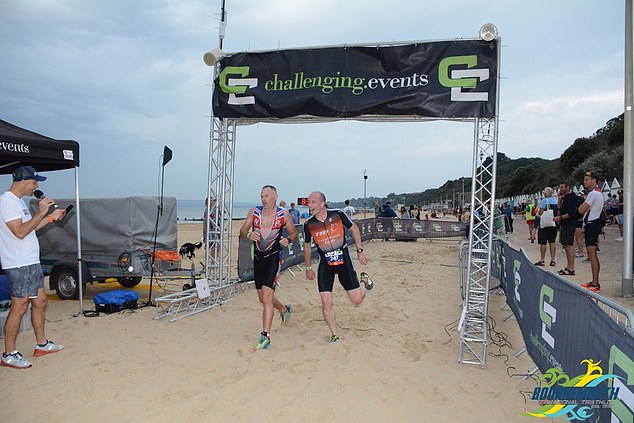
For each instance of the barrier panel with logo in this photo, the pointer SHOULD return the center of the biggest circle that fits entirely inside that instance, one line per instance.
(562, 326)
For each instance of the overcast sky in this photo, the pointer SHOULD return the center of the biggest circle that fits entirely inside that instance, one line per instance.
(126, 77)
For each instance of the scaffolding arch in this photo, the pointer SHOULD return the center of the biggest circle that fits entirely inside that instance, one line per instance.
(240, 97)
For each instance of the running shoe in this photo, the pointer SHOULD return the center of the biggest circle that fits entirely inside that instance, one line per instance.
(595, 288)
(286, 316)
(579, 255)
(587, 285)
(263, 344)
(333, 338)
(365, 279)
(619, 239)
(15, 360)
(49, 348)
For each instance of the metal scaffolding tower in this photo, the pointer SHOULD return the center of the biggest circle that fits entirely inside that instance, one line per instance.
(221, 171)
(473, 325)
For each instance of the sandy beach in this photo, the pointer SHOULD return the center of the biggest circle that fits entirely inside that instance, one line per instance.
(396, 361)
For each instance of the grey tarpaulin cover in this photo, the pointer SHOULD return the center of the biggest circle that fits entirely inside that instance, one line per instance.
(112, 225)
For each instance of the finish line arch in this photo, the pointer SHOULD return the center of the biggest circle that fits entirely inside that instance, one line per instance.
(454, 80)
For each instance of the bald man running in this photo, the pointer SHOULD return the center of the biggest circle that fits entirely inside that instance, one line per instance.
(326, 228)
(266, 223)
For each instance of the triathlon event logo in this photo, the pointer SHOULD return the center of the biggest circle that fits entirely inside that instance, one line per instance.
(458, 73)
(459, 79)
(576, 398)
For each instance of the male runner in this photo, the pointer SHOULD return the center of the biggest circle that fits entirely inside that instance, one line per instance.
(326, 228)
(266, 223)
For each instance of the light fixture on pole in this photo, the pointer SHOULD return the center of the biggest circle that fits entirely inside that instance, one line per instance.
(365, 181)
(212, 57)
(488, 32)
(166, 157)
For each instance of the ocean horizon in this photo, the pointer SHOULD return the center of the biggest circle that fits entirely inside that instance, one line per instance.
(192, 210)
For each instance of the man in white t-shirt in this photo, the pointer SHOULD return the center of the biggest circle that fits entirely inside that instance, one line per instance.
(592, 208)
(348, 209)
(20, 258)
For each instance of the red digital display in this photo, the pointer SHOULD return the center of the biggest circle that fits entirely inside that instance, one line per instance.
(302, 201)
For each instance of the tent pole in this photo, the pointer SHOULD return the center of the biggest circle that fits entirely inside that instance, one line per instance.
(80, 273)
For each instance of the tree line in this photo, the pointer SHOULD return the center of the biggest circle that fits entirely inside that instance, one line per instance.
(602, 152)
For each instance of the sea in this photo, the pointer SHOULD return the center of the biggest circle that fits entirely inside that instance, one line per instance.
(192, 210)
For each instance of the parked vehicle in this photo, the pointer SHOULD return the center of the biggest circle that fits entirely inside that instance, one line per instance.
(117, 241)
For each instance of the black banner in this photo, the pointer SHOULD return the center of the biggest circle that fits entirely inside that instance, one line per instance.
(444, 79)
(562, 326)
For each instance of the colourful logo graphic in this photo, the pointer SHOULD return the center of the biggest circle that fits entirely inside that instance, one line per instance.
(573, 399)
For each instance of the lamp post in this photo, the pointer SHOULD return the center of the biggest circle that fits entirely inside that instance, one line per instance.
(365, 183)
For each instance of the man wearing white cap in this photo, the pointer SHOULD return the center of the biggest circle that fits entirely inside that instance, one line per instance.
(20, 258)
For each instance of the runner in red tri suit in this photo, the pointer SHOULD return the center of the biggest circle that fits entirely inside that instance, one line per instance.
(263, 226)
(327, 229)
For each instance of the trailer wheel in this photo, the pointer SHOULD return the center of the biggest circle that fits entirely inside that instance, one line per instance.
(129, 282)
(66, 283)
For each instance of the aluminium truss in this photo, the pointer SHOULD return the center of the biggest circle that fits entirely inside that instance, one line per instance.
(473, 325)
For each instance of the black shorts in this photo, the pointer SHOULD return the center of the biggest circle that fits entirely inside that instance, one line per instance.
(567, 236)
(547, 235)
(345, 272)
(266, 269)
(593, 229)
(579, 224)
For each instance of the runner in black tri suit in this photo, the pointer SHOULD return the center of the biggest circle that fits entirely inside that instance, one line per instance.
(263, 226)
(327, 229)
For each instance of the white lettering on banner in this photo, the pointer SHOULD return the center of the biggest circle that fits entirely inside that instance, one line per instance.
(552, 312)
(68, 154)
(415, 80)
(236, 82)
(456, 92)
(13, 147)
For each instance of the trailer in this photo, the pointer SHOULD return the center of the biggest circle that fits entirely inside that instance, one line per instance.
(117, 241)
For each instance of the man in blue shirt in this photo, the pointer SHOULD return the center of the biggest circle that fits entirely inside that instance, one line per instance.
(294, 214)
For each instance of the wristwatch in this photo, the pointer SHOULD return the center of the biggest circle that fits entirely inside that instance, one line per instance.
(359, 250)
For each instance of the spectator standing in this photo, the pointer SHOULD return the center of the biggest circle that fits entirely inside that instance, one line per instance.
(619, 215)
(348, 209)
(530, 221)
(592, 208)
(377, 209)
(547, 235)
(405, 213)
(579, 229)
(387, 214)
(567, 220)
(209, 222)
(508, 218)
(294, 214)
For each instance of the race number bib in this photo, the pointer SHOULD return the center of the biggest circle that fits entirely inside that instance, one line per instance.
(334, 257)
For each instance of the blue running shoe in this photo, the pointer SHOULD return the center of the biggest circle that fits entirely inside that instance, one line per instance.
(263, 344)
(286, 316)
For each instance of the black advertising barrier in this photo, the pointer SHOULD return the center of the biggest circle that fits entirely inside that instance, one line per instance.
(562, 326)
(371, 228)
(442, 79)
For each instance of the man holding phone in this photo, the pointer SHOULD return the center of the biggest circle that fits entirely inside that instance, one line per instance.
(20, 258)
